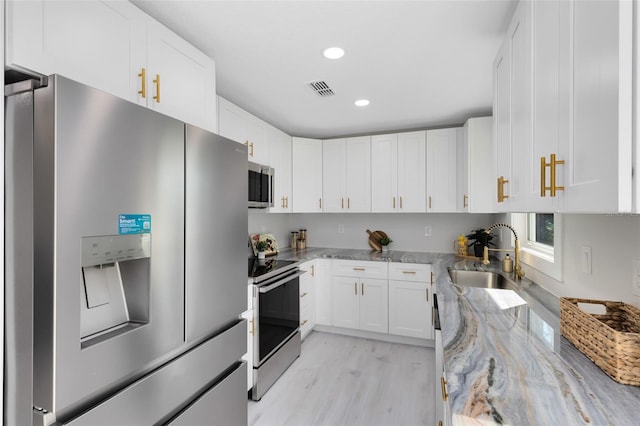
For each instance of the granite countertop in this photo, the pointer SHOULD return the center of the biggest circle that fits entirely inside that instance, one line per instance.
(311, 253)
(512, 366)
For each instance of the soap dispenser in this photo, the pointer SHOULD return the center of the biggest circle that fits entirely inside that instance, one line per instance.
(507, 264)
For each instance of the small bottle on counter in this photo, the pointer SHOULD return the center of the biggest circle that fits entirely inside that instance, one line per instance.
(507, 264)
(294, 239)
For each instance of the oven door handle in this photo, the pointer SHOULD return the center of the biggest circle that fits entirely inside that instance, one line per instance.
(280, 282)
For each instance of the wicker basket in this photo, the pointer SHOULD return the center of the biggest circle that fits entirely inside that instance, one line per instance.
(610, 340)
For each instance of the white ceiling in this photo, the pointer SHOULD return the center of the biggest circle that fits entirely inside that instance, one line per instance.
(421, 63)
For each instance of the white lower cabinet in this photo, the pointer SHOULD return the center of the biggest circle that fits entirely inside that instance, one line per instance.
(323, 291)
(359, 297)
(307, 297)
(249, 315)
(410, 300)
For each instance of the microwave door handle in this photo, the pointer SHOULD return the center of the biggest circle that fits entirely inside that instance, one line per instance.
(280, 282)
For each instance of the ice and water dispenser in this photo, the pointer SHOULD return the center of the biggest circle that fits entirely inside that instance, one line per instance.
(115, 291)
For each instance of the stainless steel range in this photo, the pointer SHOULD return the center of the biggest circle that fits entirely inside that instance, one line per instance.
(276, 300)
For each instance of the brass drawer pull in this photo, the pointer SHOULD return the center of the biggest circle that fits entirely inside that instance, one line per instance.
(443, 383)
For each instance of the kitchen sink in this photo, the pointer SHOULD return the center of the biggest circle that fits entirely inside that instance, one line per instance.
(480, 279)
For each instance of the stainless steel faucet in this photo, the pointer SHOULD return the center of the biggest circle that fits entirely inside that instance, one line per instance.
(517, 271)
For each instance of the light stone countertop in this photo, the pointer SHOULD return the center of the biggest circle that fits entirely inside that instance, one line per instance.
(508, 366)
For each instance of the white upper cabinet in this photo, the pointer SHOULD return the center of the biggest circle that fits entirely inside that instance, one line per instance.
(333, 175)
(346, 174)
(563, 108)
(596, 106)
(180, 78)
(98, 43)
(115, 47)
(280, 154)
(412, 180)
(511, 109)
(442, 145)
(476, 181)
(241, 126)
(384, 173)
(307, 175)
(545, 23)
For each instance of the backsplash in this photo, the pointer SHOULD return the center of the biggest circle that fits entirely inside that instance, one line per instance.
(614, 241)
(348, 230)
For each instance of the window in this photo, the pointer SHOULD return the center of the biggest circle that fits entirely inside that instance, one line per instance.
(540, 235)
(540, 228)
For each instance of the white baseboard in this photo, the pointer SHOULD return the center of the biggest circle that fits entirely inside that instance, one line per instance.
(375, 336)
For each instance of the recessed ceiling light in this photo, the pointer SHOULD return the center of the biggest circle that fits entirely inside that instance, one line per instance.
(333, 53)
(362, 102)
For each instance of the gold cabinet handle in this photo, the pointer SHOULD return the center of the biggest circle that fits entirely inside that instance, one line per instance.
(303, 295)
(465, 201)
(433, 316)
(253, 329)
(282, 202)
(157, 82)
(409, 272)
(359, 269)
(250, 146)
(362, 288)
(304, 322)
(313, 270)
(429, 201)
(355, 288)
(443, 384)
(348, 202)
(143, 83)
(552, 188)
(431, 278)
(427, 293)
(440, 423)
(401, 201)
(286, 204)
(320, 199)
(394, 202)
(543, 177)
(342, 205)
(501, 195)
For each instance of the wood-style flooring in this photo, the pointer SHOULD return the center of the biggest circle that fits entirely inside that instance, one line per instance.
(342, 380)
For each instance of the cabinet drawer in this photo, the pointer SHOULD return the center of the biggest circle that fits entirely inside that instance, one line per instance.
(354, 268)
(410, 272)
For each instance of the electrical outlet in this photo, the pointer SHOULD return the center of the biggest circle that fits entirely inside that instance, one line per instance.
(340, 228)
(635, 279)
(427, 231)
(586, 260)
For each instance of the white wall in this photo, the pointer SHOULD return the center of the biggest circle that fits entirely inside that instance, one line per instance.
(614, 242)
(406, 230)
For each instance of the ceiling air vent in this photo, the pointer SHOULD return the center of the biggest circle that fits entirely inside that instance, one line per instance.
(321, 88)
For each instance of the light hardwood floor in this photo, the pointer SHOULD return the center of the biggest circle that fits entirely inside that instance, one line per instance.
(342, 380)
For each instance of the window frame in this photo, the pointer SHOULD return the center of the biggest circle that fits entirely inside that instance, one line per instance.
(536, 255)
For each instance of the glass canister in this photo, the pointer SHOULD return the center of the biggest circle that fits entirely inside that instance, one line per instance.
(294, 239)
(303, 234)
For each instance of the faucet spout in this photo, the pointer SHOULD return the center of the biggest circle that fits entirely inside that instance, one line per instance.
(517, 272)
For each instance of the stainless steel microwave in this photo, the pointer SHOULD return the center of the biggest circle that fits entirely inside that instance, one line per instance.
(261, 180)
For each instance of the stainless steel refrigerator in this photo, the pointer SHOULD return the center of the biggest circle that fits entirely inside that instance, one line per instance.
(125, 263)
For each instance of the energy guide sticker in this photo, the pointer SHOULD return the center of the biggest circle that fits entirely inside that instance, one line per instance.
(134, 224)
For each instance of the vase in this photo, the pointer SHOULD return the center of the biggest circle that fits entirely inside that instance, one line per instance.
(478, 250)
(260, 255)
